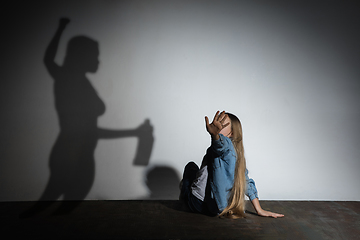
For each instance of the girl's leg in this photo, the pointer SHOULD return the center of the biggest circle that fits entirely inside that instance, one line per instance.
(189, 176)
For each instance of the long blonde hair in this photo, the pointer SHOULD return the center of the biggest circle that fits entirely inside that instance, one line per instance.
(236, 201)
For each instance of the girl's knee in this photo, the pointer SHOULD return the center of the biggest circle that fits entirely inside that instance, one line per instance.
(191, 166)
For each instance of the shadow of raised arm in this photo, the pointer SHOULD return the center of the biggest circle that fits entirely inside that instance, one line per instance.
(50, 53)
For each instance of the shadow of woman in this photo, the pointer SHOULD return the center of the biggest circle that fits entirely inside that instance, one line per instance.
(72, 163)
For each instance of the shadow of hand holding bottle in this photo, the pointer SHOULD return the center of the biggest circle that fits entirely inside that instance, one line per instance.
(78, 106)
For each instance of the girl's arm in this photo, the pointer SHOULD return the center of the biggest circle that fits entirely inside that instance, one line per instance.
(261, 212)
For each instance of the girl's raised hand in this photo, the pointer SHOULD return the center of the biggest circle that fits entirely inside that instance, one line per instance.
(217, 125)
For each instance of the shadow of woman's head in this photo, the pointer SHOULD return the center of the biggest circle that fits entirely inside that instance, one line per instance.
(82, 54)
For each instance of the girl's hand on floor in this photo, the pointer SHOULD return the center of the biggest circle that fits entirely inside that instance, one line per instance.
(217, 124)
(264, 213)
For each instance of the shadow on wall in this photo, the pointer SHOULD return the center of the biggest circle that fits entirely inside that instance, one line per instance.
(72, 163)
(163, 183)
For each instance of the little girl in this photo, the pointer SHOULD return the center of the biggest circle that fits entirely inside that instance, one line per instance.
(220, 185)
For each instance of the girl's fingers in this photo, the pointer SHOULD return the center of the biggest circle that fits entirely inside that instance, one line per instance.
(223, 126)
(207, 121)
(216, 116)
(276, 215)
(221, 116)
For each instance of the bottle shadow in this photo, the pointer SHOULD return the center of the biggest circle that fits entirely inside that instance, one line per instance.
(78, 106)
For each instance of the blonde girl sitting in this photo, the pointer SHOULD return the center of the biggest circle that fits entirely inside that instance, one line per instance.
(219, 187)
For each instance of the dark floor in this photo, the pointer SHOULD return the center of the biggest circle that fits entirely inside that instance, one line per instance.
(170, 220)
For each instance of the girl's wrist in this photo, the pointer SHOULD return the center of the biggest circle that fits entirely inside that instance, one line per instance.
(258, 211)
(214, 137)
(256, 204)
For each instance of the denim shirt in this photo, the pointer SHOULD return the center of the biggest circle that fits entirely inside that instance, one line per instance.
(222, 159)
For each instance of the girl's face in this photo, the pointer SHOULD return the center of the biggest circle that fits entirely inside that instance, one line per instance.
(226, 131)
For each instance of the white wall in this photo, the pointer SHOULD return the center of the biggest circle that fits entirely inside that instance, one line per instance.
(290, 72)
